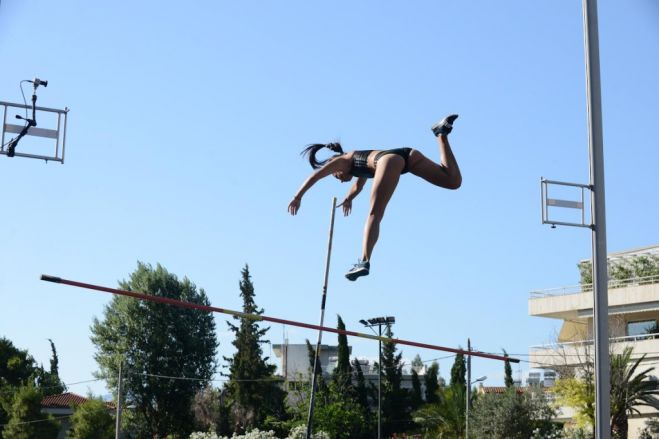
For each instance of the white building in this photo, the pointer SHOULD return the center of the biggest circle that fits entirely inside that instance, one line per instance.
(633, 319)
(295, 364)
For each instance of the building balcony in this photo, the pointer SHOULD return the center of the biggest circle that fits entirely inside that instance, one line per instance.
(576, 302)
(573, 353)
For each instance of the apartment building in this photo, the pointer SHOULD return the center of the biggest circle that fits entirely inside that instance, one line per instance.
(633, 295)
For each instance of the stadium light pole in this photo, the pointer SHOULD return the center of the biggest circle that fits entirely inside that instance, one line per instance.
(379, 321)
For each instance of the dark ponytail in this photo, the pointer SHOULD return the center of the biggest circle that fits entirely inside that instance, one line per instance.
(312, 149)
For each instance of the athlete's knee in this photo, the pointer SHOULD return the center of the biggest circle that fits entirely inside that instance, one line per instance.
(376, 213)
(455, 183)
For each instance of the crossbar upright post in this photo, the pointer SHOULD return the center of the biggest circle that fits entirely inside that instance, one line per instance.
(312, 398)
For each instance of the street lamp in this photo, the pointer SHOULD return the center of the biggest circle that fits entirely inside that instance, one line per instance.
(379, 321)
(469, 384)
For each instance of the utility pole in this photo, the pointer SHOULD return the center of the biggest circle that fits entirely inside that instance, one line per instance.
(117, 428)
(468, 389)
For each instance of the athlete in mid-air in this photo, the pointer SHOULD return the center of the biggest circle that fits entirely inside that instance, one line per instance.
(385, 168)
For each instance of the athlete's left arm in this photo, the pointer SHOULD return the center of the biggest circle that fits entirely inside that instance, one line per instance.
(356, 188)
(352, 193)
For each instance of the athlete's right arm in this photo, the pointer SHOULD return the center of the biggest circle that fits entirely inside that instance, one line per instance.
(328, 169)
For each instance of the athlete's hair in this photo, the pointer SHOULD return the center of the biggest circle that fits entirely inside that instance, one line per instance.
(312, 149)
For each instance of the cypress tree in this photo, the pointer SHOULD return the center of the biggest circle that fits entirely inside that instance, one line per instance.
(432, 383)
(395, 400)
(459, 372)
(51, 382)
(341, 375)
(360, 388)
(508, 371)
(416, 399)
(252, 390)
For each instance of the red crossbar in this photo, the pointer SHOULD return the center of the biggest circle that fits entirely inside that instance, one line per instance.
(183, 304)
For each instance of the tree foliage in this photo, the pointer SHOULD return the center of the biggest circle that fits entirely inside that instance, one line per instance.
(396, 413)
(18, 369)
(431, 379)
(342, 373)
(155, 341)
(25, 418)
(631, 388)
(92, 420)
(252, 390)
(512, 415)
(211, 413)
(459, 372)
(508, 372)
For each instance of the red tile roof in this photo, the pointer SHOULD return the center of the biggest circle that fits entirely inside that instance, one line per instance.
(66, 400)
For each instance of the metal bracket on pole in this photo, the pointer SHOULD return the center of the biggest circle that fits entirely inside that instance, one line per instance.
(58, 135)
(578, 204)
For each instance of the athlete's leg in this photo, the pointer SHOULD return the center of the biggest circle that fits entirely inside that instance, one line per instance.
(446, 174)
(385, 180)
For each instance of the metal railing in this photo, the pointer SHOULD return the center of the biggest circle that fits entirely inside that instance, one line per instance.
(625, 339)
(586, 288)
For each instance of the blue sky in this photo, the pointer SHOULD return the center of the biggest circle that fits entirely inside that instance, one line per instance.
(182, 149)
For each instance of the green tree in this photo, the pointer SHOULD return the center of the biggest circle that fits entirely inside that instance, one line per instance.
(630, 389)
(508, 371)
(360, 384)
(50, 381)
(416, 398)
(395, 400)
(92, 420)
(446, 416)
(579, 394)
(17, 367)
(432, 383)
(211, 413)
(253, 391)
(459, 372)
(156, 341)
(512, 415)
(342, 373)
(25, 418)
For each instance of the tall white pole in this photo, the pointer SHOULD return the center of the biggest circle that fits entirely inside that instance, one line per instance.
(468, 389)
(117, 428)
(380, 382)
(600, 276)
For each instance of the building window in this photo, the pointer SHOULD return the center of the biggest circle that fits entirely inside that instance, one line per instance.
(641, 328)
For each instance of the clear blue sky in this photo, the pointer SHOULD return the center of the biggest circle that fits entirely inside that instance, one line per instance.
(185, 126)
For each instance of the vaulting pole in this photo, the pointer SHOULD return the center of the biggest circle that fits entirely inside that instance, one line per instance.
(316, 366)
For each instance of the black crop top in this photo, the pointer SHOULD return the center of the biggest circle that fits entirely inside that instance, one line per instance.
(360, 161)
(360, 164)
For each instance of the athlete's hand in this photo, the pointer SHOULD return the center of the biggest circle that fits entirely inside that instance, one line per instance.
(347, 207)
(294, 205)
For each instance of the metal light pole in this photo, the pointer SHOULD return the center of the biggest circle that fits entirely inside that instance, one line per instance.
(468, 390)
(379, 321)
(477, 380)
(117, 428)
(469, 383)
(597, 223)
(600, 287)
